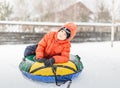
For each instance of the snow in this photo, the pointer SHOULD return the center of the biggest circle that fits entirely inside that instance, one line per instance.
(101, 67)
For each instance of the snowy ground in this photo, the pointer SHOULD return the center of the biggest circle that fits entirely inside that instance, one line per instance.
(101, 67)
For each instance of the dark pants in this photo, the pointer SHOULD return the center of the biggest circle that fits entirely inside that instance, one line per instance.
(30, 50)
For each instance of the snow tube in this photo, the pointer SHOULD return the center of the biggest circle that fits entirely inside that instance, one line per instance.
(61, 72)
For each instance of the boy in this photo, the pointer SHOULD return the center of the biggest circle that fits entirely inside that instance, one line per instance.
(54, 46)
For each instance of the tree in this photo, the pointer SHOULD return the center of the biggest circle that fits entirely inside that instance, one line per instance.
(52, 6)
(21, 10)
(5, 10)
(102, 14)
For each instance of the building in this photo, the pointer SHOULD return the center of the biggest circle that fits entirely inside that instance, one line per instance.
(77, 12)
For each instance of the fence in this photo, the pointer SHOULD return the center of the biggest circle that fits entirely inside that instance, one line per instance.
(12, 32)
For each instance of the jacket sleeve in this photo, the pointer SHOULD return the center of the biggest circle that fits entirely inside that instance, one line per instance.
(64, 57)
(41, 47)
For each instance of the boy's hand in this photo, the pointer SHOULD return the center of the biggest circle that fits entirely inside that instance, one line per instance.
(41, 60)
(49, 62)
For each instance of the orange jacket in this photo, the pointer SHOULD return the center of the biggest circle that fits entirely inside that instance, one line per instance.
(50, 46)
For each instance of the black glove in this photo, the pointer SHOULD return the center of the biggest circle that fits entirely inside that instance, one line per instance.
(49, 62)
(41, 60)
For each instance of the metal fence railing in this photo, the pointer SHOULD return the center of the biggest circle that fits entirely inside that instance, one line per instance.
(85, 30)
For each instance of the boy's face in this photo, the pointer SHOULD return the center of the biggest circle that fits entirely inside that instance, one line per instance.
(61, 35)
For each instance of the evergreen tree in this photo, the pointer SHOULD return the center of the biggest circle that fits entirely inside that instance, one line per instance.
(5, 10)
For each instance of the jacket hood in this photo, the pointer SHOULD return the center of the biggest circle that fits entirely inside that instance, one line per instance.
(73, 28)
